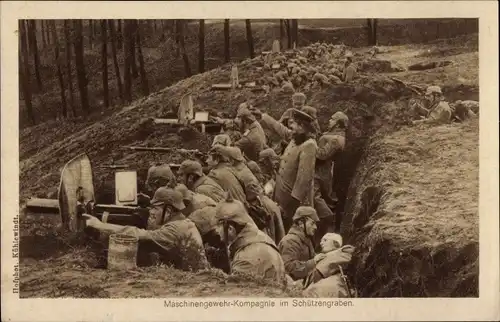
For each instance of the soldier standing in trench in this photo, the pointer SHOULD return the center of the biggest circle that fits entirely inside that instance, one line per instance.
(295, 179)
(331, 144)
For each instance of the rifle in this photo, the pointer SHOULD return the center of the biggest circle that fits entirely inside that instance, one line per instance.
(162, 150)
(346, 283)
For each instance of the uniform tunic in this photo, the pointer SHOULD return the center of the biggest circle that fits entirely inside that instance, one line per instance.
(298, 253)
(208, 187)
(254, 253)
(252, 141)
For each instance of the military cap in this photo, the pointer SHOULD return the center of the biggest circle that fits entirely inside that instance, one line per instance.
(169, 197)
(305, 212)
(190, 167)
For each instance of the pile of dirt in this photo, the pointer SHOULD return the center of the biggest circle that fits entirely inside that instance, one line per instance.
(74, 276)
(412, 213)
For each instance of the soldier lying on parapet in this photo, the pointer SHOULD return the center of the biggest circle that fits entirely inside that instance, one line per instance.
(349, 70)
(296, 248)
(251, 251)
(431, 108)
(295, 179)
(174, 237)
(328, 279)
(463, 110)
(191, 174)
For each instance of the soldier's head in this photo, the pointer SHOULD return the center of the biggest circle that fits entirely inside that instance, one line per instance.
(330, 242)
(306, 219)
(223, 154)
(164, 204)
(230, 219)
(222, 139)
(298, 100)
(433, 93)
(302, 126)
(160, 176)
(269, 158)
(348, 57)
(189, 172)
(245, 116)
(338, 120)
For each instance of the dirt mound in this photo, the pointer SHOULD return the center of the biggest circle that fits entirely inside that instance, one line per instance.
(412, 212)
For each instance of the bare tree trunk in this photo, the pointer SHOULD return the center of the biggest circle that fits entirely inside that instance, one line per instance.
(227, 52)
(44, 35)
(374, 33)
(185, 57)
(34, 46)
(248, 25)
(282, 33)
(133, 64)
(59, 69)
(127, 93)
(178, 32)
(201, 46)
(68, 40)
(119, 34)
(295, 24)
(80, 67)
(142, 69)
(49, 36)
(369, 31)
(288, 33)
(24, 73)
(115, 59)
(91, 32)
(104, 35)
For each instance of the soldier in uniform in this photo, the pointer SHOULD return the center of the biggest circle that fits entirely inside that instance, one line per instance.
(192, 176)
(176, 238)
(432, 108)
(192, 200)
(297, 248)
(251, 252)
(331, 144)
(253, 139)
(295, 179)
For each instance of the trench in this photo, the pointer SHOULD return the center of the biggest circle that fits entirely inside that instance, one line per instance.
(380, 270)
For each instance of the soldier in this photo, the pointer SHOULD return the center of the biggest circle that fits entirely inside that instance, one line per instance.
(221, 172)
(435, 109)
(175, 237)
(298, 100)
(463, 110)
(253, 139)
(192, 176)
(296, 248)
(330, 147)
(222, 139)
(295, 179)
(256, 170)
(160, 176)
(251, 251)
(349, 71)
(314, 114)
(328, 279)
(192, 200)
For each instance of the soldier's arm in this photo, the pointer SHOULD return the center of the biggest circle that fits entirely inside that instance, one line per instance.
(278, 128)
(242, 143)
(327, 148)
(164, 236)
(305, 172)
(290, 251)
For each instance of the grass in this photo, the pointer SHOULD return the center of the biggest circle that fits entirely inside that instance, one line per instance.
(425, 210)
(402, 164)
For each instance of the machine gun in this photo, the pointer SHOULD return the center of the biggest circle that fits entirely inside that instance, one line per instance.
(76, 197)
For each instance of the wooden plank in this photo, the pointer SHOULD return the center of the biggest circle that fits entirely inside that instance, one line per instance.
(44, 206)
(221, 86)
(166, 121)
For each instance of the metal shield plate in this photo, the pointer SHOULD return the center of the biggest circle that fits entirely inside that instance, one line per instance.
(75, 189)
(125, 188)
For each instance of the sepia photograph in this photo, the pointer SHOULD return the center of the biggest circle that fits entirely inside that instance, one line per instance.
(332, 159)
